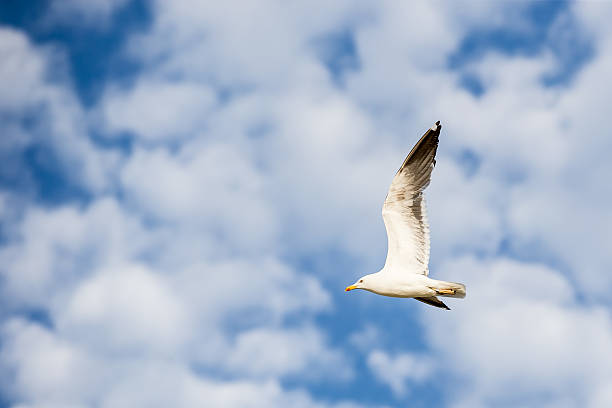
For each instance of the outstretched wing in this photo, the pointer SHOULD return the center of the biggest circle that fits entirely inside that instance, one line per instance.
(404, 210)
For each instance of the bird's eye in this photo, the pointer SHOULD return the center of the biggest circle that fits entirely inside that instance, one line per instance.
(361, 281)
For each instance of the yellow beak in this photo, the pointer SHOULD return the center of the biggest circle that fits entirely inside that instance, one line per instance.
(349, 288)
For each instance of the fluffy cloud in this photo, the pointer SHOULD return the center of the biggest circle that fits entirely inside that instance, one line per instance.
(249, 151)
(127, 308)
(524, 334)
(264, 353)
(43, 119)
(51, 248)
(95, 13)
(396, 371)
(155, 109)
(79, 379)
(108, 314)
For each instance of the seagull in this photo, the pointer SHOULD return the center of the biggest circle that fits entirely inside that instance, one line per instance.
(406, 270)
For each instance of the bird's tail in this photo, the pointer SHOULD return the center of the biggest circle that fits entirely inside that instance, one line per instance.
(449, 289)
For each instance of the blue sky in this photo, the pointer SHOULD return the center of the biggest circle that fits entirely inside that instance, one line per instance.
(187, 187)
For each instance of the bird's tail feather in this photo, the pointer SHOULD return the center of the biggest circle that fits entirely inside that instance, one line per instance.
(449, 289)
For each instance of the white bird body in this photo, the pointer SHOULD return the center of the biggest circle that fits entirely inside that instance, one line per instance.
(406, 270)
(407, 285)
(398, 285)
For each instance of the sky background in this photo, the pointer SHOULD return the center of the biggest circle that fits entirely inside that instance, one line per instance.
(186, 187)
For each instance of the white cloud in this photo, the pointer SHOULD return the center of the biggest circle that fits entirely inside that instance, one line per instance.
(21, 70)
(264, 286)
(155, 109)
(93, 13)
(78, 379)
(128, 308)
(192, 391)
(40, 109)
(366, 339)
(252, 45)
(211, 186)
(263, 353)
(44, 367)
(49, 249)
(246, 153)
(396, 371)
(522, 333)
(112, 317)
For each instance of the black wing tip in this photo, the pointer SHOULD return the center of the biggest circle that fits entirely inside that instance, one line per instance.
(436, 127)
(430, 138)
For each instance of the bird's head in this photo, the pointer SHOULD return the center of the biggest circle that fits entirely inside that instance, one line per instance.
(362, 283)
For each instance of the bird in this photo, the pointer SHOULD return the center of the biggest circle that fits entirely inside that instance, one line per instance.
(406, 270)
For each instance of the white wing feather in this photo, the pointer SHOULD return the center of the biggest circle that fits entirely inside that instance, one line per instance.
(404, 210)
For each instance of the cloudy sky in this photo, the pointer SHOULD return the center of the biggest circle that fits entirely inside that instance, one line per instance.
(187, 187)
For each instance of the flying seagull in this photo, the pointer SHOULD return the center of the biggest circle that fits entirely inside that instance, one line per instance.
(406, 270)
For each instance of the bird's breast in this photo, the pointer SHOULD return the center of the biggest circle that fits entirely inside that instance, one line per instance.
(402, 288)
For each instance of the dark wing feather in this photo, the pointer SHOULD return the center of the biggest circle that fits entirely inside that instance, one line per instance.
(433, 301)
(404, 210)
